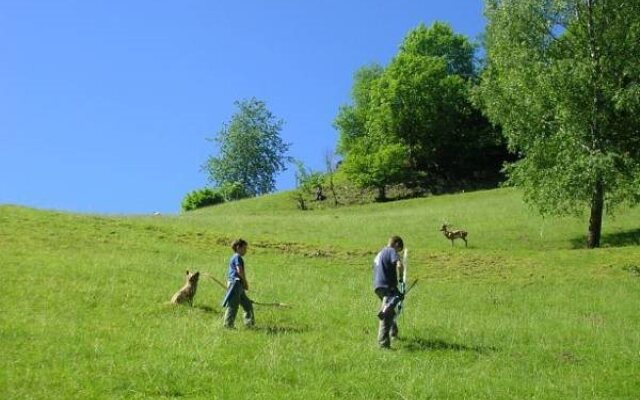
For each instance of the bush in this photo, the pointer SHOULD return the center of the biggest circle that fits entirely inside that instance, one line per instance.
(201, 198)
(233, 191)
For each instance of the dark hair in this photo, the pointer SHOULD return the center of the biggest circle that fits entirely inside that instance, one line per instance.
(396, 241)
(238, 243)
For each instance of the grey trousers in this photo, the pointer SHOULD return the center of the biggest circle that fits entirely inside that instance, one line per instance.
(239, 298)
(388, 327)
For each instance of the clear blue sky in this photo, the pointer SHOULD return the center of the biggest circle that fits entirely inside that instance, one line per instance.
(105, 105)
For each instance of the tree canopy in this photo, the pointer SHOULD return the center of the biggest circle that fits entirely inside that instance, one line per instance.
(251, 151)
(563, 81)
(414, 121)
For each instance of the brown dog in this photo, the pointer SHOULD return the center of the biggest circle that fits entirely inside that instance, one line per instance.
(188, 291)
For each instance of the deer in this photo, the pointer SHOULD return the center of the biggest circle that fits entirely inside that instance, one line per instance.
(453, 235)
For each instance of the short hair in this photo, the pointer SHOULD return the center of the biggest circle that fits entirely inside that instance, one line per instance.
(396, 241)
(238, 243)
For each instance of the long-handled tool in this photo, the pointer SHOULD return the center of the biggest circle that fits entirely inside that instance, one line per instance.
(224, 287)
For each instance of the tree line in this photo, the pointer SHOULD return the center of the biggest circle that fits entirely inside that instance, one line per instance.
(554, 105)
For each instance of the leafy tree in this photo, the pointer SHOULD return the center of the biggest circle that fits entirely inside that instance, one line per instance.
(427, 95)
(563, 81)
(419, 109)
(306, 182)
(252, 152)
(370, 156)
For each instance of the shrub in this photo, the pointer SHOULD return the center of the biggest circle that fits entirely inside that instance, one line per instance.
(201, 198)
(233, 191)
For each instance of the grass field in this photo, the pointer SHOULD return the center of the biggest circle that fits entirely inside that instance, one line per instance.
(525, 312)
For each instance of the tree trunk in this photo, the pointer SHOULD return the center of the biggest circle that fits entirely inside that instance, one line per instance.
(597, 197)
(595, 221)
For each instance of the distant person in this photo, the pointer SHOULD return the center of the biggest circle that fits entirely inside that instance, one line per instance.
(237, 284)
(387, 267)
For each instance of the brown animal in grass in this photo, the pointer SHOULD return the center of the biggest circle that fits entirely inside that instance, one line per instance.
(188, 291)
(453, 235)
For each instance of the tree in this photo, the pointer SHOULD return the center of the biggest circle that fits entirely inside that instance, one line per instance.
(371, 157)
(427, 94)
(251, 152)
(563, 81)
(418, 108)
(306, 182)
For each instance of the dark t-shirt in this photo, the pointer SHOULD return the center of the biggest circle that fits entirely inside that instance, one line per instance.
(235, 262)
(385, 274)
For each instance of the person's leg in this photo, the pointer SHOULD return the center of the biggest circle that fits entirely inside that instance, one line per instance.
(384, 326)
(231, 310)
(393, 331)
(247, 306)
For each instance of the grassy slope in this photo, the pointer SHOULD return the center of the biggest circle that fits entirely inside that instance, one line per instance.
(522, 313)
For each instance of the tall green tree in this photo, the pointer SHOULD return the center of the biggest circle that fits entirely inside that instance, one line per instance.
(563, 81)
(419, 109)
(372, 158)
(251, 151)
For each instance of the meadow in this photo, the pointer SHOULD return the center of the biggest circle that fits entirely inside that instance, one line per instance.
(524, 312)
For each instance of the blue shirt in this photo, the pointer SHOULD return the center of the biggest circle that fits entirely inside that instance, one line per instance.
(385, 274)
(235, 262)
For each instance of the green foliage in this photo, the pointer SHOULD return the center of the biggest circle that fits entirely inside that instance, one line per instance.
(441, 42)
(251, 152)
(420, 103)
(560, 80)
(352, 119)
(307, 181)
(376, 165)
(233, 191)
(201, 198)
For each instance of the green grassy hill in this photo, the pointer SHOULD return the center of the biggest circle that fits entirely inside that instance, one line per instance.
(524, 312)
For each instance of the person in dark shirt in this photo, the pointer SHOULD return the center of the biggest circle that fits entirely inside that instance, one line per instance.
(387, 267)
(237, 284)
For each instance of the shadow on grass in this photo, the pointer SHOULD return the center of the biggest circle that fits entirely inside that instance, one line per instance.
(634, 270)
(208, 309)
(281, 330)
(421, 344)
(619, 239)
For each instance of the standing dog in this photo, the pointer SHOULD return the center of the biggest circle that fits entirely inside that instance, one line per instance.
(188, 291)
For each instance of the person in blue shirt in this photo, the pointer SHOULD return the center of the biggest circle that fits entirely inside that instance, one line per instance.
(237, 284)
(387, 267)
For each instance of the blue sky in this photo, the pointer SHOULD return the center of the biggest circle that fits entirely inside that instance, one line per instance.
(105, 106)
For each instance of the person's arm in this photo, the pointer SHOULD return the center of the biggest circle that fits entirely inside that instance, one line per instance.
(243, 278)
